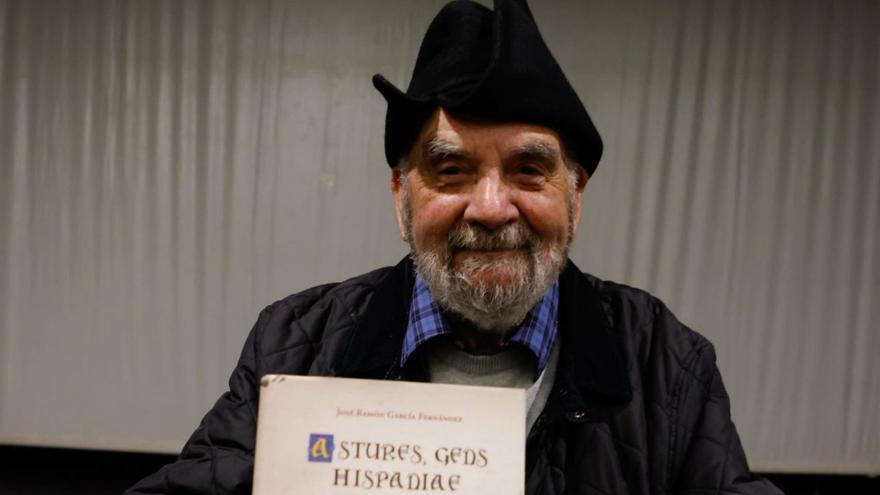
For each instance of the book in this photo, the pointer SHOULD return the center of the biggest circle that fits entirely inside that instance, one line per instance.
(322, 436)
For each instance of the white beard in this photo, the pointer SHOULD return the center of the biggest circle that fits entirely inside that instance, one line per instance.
(498, 306)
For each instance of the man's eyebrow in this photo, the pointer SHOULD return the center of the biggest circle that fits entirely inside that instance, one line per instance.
(438, 148)
(536, 150)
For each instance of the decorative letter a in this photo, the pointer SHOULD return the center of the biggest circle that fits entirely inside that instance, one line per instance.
(320, 448)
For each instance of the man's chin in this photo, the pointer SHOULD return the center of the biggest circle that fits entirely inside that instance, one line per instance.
(501, 278)
(495, 271)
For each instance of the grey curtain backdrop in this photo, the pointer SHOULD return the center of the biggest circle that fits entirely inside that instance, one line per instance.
(168, 168)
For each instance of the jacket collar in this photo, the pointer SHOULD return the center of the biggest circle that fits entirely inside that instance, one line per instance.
(377, 339)
(593, 364)
(593, 367)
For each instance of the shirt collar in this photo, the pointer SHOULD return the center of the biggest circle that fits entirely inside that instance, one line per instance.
(426, 321)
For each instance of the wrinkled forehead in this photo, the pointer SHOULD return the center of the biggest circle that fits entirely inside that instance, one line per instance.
(445, 133)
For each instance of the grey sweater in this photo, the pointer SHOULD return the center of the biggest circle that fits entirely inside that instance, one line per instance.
(512, 367)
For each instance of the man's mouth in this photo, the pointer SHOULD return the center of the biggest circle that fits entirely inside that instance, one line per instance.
(492, 252)
(489, 254)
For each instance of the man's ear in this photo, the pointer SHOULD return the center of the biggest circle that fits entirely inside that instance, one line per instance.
(582, 178)
(397, 197)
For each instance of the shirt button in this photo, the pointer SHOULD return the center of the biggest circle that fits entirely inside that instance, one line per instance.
(578, 415)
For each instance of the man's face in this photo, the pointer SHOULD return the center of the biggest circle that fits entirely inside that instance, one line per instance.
(489, 211)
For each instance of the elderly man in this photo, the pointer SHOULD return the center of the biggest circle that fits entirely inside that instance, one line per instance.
(491, 150)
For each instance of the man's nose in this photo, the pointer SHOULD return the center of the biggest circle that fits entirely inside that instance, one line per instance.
(490, 203)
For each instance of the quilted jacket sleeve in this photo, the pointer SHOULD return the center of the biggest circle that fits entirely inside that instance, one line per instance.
(712, 459)
(219, 456)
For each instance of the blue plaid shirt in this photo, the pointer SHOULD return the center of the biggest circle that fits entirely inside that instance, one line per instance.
(426, 321)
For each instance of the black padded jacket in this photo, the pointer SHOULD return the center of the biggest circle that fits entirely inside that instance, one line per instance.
(638, 406)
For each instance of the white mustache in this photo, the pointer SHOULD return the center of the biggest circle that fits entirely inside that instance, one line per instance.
(467, 235)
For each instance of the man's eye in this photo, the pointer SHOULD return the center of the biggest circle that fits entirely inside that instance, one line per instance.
(529, 170)
(450, 170)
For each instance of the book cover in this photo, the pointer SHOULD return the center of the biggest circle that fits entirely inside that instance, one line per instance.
(320, 435)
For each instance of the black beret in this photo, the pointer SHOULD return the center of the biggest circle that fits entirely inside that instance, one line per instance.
(489, 65)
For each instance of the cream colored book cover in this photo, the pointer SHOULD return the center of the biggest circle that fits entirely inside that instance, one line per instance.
(322, 436)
